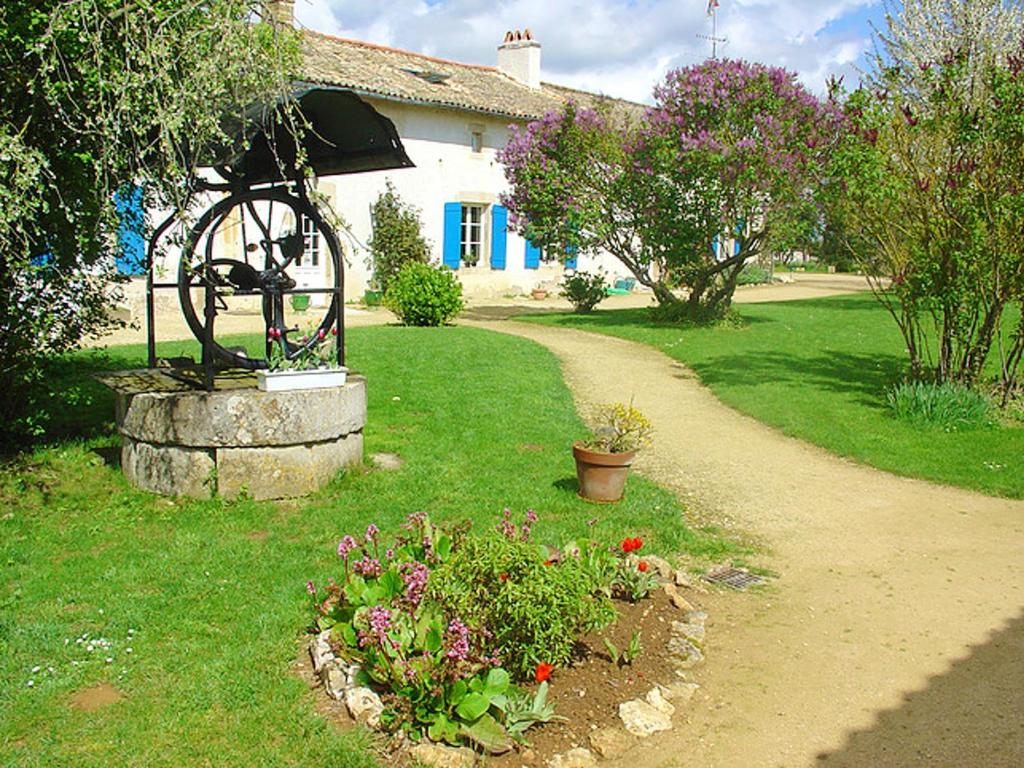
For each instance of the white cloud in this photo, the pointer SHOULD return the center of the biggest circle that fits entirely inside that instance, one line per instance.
(619, 47)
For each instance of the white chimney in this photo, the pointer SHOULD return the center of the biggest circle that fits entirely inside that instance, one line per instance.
(519, 57)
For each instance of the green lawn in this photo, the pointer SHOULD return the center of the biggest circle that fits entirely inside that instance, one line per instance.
(215, 590)
(818, 370)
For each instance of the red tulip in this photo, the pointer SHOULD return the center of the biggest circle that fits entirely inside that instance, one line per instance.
(642, 566)
(543, 672)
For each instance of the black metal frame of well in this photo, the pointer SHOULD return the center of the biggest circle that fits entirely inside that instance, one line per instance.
(341, 134)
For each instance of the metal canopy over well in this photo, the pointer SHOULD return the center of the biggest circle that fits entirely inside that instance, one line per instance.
(342, 134)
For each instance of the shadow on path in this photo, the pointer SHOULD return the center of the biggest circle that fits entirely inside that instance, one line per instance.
(975, 709)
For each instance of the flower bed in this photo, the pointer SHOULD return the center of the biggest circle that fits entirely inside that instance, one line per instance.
(436, 633)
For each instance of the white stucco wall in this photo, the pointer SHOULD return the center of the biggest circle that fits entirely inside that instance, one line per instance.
(438, 141)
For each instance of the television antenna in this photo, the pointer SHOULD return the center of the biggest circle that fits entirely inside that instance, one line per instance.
(713, 38)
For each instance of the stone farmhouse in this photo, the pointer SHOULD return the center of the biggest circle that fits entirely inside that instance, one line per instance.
(452, 118)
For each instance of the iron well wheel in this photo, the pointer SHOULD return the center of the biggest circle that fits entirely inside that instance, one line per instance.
(248, 249)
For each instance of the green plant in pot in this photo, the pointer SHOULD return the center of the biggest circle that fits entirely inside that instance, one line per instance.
(603, 460)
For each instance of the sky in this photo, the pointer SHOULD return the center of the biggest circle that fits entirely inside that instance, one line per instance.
(617, 47)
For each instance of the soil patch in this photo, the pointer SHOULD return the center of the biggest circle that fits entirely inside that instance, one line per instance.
(257, 535)
(96, 697)
(589, 693)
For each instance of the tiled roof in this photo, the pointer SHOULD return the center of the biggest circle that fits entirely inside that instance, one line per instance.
(388, 72)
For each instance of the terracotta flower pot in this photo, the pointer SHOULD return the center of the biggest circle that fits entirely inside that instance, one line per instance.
(601, 476)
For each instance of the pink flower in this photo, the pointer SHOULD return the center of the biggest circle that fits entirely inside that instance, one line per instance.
(346, 545)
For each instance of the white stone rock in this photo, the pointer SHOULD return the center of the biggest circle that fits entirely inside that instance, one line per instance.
(440, 756)
(657, 700)
(364, 705)
(611, 742)
(685, 653)
(320, 650)
(680, 693)
(682, 579)
(641, 719)
(574, 758)
(677, 599)
(694, 632)
(335, 680)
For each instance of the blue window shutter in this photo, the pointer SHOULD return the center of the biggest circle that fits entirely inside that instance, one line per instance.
(131, 245)
(451, 254)
(532, 259)
(570, 252)
(499, 236)
(735, 247)
(714, 246)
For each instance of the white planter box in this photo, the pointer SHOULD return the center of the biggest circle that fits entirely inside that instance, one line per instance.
(280, 381)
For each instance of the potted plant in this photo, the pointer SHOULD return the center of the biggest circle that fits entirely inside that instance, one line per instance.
(603, 460)
(300, 302)
(310, 367)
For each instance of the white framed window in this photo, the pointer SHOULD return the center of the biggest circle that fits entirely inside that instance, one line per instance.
(471, 246)
(310, 244)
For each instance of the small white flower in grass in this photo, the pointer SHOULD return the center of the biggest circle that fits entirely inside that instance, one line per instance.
(396, 398)
(35, 669)
(66, 640)
(109, 660)
(30, 683)
(101, 611)
(128, 650)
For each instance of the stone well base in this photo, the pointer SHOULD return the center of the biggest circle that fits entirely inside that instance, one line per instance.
(178, 441)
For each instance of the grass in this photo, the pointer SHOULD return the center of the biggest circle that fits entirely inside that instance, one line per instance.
(215, 590)
(819, 370)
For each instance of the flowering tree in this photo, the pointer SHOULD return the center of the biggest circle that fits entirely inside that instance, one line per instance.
(934, 198)
(732, 151)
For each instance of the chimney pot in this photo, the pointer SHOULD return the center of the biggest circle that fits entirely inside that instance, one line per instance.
(519, 57)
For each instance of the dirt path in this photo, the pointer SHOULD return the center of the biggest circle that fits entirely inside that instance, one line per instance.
(894, 635)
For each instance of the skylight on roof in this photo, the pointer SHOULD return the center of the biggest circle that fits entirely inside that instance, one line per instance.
(434, 78)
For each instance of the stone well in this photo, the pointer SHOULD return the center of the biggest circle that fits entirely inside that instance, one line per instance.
(179, 441)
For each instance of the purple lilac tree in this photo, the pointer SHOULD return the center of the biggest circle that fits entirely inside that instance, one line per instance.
(725, 167)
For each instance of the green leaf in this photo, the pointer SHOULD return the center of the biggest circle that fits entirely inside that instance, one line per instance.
(349, 635)
(488, 734)
(473, 706)
(443, 546)
(392, 584)
(443, 729)
(497, 682)
(434, 639)
(458, 692)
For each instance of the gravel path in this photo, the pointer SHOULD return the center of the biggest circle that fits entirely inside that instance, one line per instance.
(894, 635)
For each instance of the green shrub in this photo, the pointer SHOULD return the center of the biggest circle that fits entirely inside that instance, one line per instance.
(424, 295)
(754, 275)
(437, 619)
(397, 239)
(947, 406)
(584, 290)
(535, 608)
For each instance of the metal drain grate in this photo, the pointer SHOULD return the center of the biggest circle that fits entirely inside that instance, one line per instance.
(737, 578)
